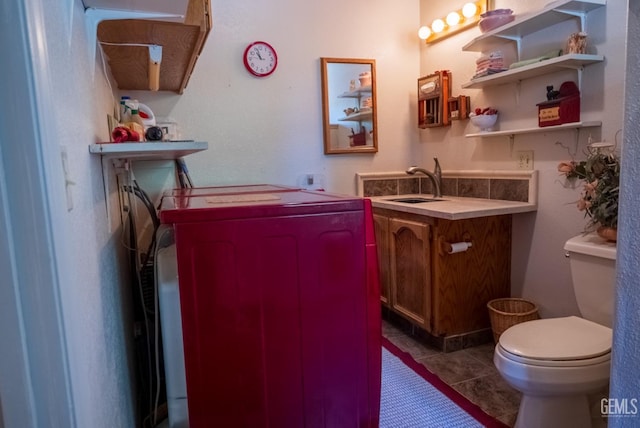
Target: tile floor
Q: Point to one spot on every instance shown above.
(470, 371)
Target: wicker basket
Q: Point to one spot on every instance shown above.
(508, 312)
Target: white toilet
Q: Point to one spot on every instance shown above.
(557, 362)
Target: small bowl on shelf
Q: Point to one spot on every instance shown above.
(484, 121)
(494, 19)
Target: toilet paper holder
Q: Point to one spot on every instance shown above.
(455, 247)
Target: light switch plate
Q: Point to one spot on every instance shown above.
(525, 159)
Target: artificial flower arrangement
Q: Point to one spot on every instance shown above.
(601, 175)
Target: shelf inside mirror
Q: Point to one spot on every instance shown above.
(356, 93)
(364, 114)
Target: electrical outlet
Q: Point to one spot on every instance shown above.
(525, 159)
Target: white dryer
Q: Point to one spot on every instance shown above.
(171, 323)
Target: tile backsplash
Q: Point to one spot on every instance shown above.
(520, 186)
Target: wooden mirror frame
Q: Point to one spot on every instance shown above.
(350, 90)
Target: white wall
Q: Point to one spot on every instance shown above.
(89, 278)
(96, 290)
(270, 130)
(540, 270)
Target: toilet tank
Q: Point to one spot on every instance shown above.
(593, 273)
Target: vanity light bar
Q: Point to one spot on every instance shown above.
(455, 21)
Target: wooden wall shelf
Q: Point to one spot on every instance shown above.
(181, 45)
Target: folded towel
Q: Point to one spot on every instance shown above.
(490, 64)
(490, 55)
(488, 72)
(551, 54)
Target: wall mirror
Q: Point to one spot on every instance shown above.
(349, 105)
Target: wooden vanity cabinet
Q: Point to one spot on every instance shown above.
(381, 227)
(410, 270)
(444, 294)
(466, 281)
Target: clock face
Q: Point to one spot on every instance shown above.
(260, 59)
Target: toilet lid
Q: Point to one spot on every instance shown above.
(560, 339)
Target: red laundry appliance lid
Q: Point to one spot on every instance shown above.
(213, 207)
(218, 190)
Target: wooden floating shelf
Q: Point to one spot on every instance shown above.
(181, 45)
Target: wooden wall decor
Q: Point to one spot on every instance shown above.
(434, 92)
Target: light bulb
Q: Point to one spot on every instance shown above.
(424, 32)
(469, 10)
(453, 19)
(437, 25)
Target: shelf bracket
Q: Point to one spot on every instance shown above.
(581, 15)
(580, 78)
(577, 141)
(94, 16)
(516, 39)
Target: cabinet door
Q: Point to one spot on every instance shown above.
(381, 224)
(411, 271)
(464, 282)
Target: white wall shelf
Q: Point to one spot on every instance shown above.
(357, 93)
(358, 117)
(553, 13)
(569, 61)
(148, 150)
(121, 153)
(512, 132)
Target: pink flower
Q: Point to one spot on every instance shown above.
(583, 204)
(590, 189)
(566, 168)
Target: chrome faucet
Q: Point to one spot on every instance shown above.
(436, 177)
(438, 172)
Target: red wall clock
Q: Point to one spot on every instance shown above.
(260, 59)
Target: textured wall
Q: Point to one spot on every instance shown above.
(95, 290)
(625, 381)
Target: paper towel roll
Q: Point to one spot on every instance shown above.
(459, 247)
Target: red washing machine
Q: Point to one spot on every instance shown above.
(280, 306)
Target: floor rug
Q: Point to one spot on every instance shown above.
(412, 396)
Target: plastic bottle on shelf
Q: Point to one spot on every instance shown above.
(134, 122)
(148, 118)
(124, 109)
(135, 117)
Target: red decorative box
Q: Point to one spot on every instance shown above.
(359, 139)
(564, 109)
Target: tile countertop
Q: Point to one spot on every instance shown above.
(452, 207)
